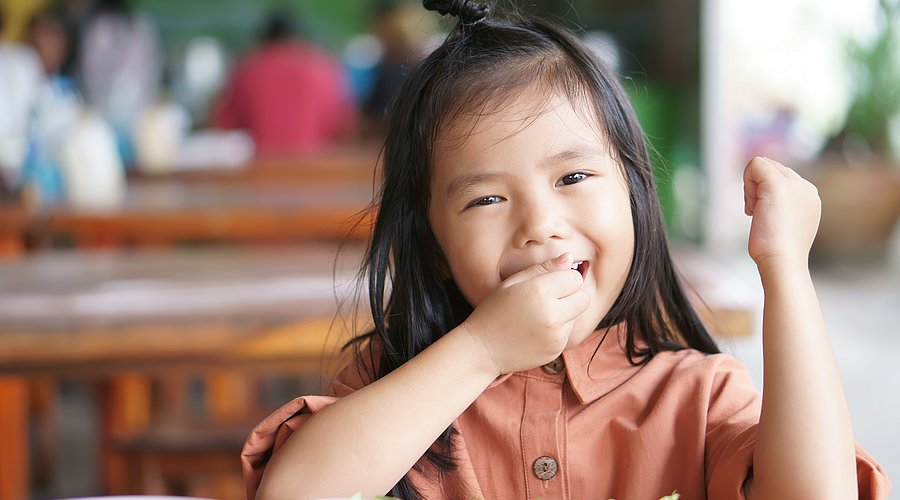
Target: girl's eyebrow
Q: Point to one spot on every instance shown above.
(465, 182)
(578, 153)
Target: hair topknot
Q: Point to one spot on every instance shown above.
(467, 11)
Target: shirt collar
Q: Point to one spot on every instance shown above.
(591, 375)
(594, 378)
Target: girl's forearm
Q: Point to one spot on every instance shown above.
(368, 440)
(805, 446)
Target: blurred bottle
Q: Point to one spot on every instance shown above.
(159, 134)
(92, 168)
(199, 75)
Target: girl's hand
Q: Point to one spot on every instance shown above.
(785, 210)
(526, 322)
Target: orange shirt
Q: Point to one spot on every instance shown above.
(597, 429)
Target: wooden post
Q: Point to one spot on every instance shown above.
(126, 411)
(14, 473)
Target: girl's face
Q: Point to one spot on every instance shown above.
(523, 186)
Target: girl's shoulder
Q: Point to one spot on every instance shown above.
(694, 360)
(699, 369)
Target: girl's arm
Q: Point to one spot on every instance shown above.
(805, 446)
(368, 440)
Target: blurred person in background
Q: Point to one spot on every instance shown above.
(53, 111)
(400, 53)
(21, 74)
(290, 95)
(72, 155)
(53, 43)
(120, 64)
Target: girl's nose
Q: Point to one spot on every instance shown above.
(540, 222)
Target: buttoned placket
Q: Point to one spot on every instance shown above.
(543, 432)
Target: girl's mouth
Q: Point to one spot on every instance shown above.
(581, 266)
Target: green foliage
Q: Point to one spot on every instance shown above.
(877, 72)
(236, 23)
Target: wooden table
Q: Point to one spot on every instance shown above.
(321, 197)
(71, 304)
(164, 213)
(124, 316)
(14, 223)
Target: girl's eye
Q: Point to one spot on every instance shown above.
(487, 200)
(573, 178)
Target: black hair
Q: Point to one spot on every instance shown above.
(279, 26)
(54, 15)
(484, 61)
(114, 6)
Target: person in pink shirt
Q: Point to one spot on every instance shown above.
(291, 96)
(531, 337)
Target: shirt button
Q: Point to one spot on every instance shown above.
(555, 366)
(545, 468)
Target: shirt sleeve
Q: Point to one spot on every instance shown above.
(732, 425)
(269, 435)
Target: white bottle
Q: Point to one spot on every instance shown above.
(93, 171)
(159, 134)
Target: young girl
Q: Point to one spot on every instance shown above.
(536, 341)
